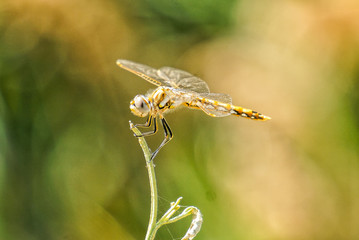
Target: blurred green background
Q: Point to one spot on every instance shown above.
(71, 169)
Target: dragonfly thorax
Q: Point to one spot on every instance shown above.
(140, 106)
(154, 103)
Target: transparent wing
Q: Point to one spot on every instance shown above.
(143, 71)
(220, 97)
(165, 76)
(216, 110)
(183, 80)
(213, 104)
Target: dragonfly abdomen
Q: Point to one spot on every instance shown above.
(216, 108)
(248, 113)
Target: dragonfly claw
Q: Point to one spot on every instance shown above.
(137, 135)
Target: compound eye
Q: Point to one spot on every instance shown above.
(141, 104)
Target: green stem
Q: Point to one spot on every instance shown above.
(152, 229)
(167, 218)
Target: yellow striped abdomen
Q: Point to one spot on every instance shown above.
(216, 108)
(248, 113)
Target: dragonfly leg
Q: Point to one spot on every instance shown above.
(147, 124)
(168, 137)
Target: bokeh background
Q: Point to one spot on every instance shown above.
(71, 169)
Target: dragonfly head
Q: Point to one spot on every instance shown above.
(140, 106)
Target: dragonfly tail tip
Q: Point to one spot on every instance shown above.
(265, 118)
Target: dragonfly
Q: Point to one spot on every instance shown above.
(176, 88)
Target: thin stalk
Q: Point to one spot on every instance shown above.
(152, 229)
(167, 218)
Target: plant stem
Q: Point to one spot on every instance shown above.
(151, 230)
(167, 218)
